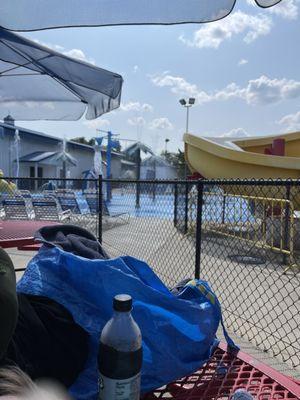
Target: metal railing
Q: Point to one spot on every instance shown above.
(277, 213)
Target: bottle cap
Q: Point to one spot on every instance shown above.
(122, 302)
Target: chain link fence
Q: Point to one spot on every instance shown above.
(141, 223)
(243, 237)
(250, 256)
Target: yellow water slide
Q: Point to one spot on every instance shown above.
(250, 158)
(225, 158)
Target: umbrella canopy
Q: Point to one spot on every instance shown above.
(29, 15)
(38, 83)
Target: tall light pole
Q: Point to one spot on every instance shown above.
(187, 104)
(166, 144)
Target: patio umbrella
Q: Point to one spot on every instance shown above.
(29, 15)
(39, 83)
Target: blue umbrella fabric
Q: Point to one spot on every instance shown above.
(39, 83)
(29, 15)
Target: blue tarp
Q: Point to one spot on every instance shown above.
(27, 15)
(40, 83)
(178, 331)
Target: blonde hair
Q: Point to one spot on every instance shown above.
(14, 382)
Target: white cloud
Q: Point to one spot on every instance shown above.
(79, 54)
(265, 90)
(161, 123)
(243, 61)
(97, 123)
(262, 90)
(136, 121)
(236, 133)
(74, 53)
(291, 121)
(212, 35)
(287, 9)
(178, 85)
(135, 69)
(147, 107)
(136, 106)
(52, 46)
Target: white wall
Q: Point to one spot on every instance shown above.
(161, 172)
(84, 158)
(5, 156)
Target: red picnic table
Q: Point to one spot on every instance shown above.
(20, 233)
(216, 380)
(226, 372)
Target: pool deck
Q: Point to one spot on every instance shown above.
(155, 240)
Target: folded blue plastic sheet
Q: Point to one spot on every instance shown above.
(179, 332)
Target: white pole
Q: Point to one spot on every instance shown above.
(187, 118)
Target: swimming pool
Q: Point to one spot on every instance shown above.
(162, 206)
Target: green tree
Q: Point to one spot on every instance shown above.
(83, 140)
(177, 160)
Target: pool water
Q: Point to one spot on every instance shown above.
(237, 209)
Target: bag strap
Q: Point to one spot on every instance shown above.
(206, 291)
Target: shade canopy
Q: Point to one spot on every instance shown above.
(38, 83)
(135, 147)
(29, 15)
(49, 158)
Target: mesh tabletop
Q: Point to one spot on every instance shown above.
(224, 374)
(19, 233)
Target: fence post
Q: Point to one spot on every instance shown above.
(138, 177)
(186, 207)
(287, 237)
(175, 203)
(100, 208)
(198, 228)
(223, 208)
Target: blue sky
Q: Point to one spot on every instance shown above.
(243, 71)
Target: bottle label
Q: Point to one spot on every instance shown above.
(119, 389)
(117, 364)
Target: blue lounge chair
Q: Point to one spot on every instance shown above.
(92, 200)
(14, 208)
(46, 209)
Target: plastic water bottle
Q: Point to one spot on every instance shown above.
(242, 394)
(120, 354)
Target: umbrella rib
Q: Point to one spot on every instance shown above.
(22, 55)
(9, 75)
(31, 61)
(46, 71)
